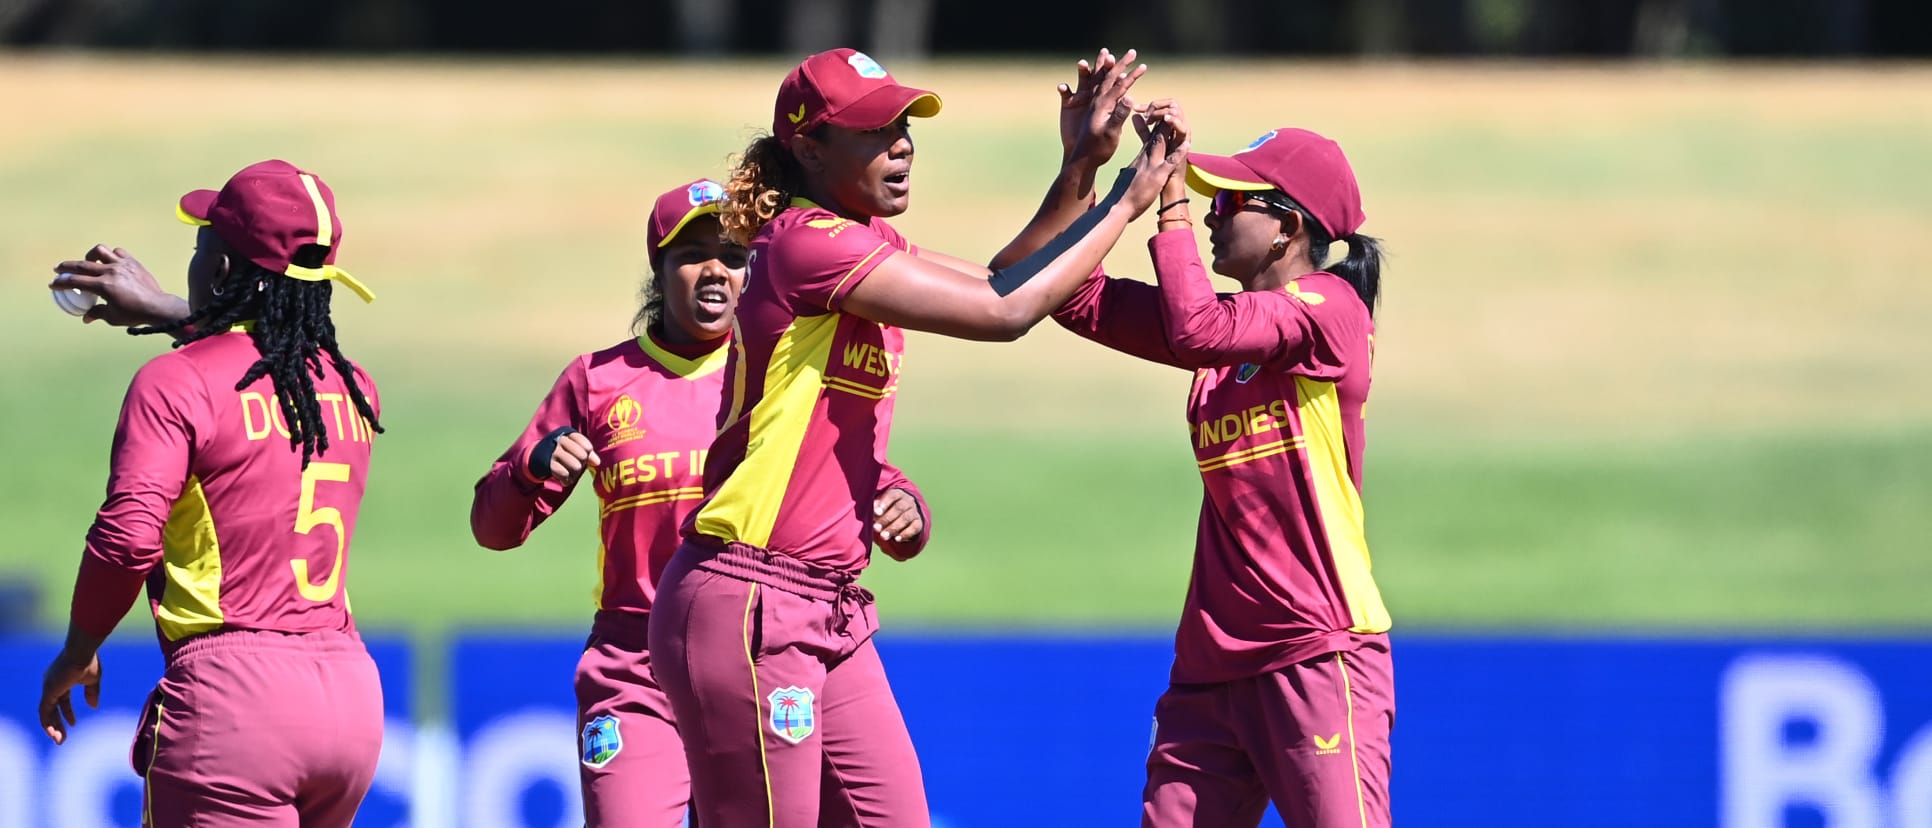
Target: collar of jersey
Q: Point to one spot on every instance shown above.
(687, 368)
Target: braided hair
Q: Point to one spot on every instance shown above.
(292, 332)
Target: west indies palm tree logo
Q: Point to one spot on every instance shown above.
(602, 741)
(791, 713)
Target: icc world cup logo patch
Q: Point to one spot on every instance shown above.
(622, 420)
(792, 716)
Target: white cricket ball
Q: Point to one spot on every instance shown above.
(75, 301)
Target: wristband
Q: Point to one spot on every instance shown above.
(1172, 204)
(546, 448)
(1010, 278)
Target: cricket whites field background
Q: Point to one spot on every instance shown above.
(1654, 364)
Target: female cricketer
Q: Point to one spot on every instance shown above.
(236, 473)
(637, 419)
(761, 636)
(1282, 687)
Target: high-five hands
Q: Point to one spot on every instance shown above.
(1163, 155)
(1096, 106)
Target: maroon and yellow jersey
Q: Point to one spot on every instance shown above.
(650, 413)
(1281, 561)
(809, 407)
(208, 503)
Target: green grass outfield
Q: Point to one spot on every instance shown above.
(1653, 354)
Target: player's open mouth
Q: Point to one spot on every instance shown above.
(713, 298)
(899, 183)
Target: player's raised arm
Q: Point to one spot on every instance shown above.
(909, 292)
(128, 293)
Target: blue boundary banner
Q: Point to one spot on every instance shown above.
(1496, 732)
(1053, 730)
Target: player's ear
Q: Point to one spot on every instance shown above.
(809, 152)
(1292, 225)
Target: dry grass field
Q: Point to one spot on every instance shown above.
(1653, 352)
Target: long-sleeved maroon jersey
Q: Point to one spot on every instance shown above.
(209, 505)
(1281, 561)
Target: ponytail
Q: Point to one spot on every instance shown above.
(763, 182)
(1362, 268)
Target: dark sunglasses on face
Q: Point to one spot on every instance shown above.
(1229, 202)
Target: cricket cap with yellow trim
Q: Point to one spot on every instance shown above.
(679, 207)
(1307, 167)
(277, 216)
(845, 88)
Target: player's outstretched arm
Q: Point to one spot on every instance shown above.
(129, 293)
(909, 292)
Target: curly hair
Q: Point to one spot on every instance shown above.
(764, 179)
(292, 332)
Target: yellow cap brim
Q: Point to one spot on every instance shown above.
(188, 218)
(924, 106)
(1207, 183)
(705, 209)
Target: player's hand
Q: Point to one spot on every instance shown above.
(1095, 108)
(1159, 158)
(1167, 111)
(563, 455)
(129, 294)
(56, 701)
(896, 519)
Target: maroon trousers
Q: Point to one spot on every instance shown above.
(261, 729)
(1312, 737)
(631, 761)
(781, 699)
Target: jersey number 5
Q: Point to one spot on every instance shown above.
(307, 517)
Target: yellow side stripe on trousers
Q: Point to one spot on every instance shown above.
(147, 779)
(758, 708)
(1348, 696)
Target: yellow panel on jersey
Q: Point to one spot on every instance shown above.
(191, 557)
(597, 589)
(1339, 502)
(745, 507)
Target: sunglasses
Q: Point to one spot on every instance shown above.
(1229, 202)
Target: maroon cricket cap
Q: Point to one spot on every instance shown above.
(679, 206)
(1307, 167)
(846, 88)
(279, 217)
